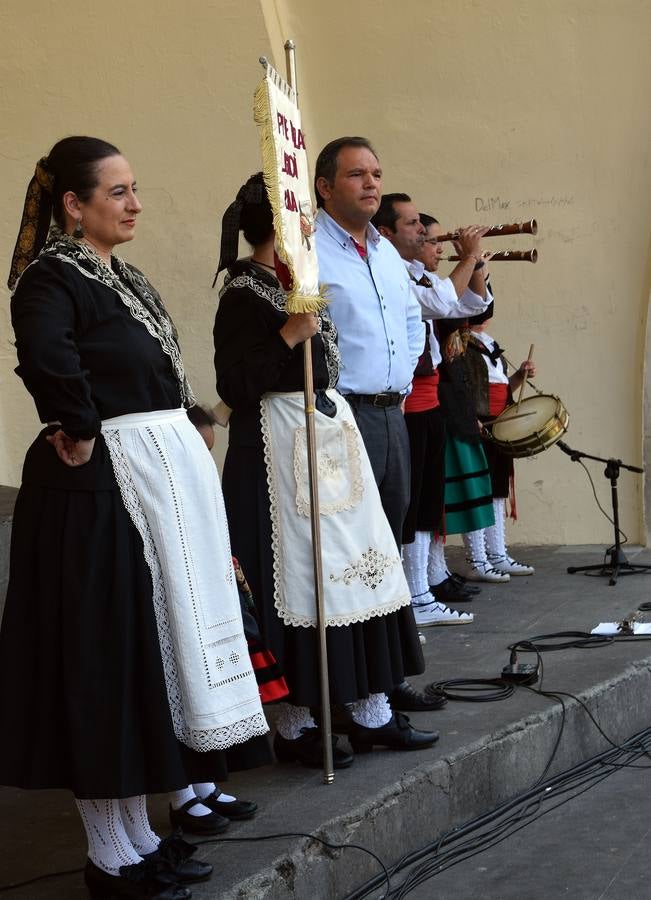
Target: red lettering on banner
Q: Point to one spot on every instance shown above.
(290, 166)
(297, 137)
(290, 201)
(283, 125)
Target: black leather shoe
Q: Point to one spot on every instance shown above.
(460, 580)
(148, 879)
(449, 592)
(235, 810)
(308, 749)
(176, 853)
(397, 734)
(212, 823)
(407, 698)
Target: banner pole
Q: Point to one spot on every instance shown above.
(326, 724)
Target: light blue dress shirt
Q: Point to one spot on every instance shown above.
(378, 318)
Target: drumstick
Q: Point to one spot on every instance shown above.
(510, 418)
(524, 383)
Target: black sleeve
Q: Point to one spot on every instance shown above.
(45, 317)
(250, 354)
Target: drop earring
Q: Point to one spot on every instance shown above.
(78, 231)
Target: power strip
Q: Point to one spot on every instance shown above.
(520, 673)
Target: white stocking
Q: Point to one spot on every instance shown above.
(495, 535)
(292, 719)
(136, 824)
(414, 562)
(475, 549)
(109, 846)
(437, 571)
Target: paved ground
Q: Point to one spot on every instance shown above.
(395, 802)
(594, 848)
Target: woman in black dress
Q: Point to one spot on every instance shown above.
(258, 350)
(99, 691)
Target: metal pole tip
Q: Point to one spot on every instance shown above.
(290, 45)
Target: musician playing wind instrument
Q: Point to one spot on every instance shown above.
(398, 220)
(492, 391)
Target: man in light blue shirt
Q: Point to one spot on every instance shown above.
(381, 336)
(378, 318)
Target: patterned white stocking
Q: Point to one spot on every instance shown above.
(372, 712)
(475, 548)
(292, 719)
(496, 534)
(437, 571)
(136, 824)
(109, 846)
(414, 563)
(178, 798)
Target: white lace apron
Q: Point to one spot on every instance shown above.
(362, 572)
(171, 490)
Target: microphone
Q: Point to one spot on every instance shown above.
(573, 454)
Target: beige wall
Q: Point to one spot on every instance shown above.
(540, 104)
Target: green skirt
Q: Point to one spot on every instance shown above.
(468, 493)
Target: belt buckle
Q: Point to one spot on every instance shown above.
(382, 400)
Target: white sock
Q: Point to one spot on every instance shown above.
(437, 571)
(372, 712)
(178, 798)
(206, 788)
(136, 824)
(292, 719)
(414, 563)
(109, 846)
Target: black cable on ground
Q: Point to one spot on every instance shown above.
(384, 878)
(472, 690)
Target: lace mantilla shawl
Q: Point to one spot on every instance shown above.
(141, 299)
(250, 278)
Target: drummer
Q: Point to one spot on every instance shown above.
(493, 390)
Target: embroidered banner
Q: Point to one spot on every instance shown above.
(287, 178)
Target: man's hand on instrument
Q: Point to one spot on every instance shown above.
(527, 369)
(299, 327)
(469, 241)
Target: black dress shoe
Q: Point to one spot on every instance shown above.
(236, 810)
(212, 823)
(449, 592)
(460, 580)
(397, 734)
(407, 698)
(149, 879)
(308, 749)
(176, 853)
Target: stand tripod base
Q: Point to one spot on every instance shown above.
(617, 565)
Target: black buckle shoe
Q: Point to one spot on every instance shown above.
(450, 592)
(407, 699)
(397, 734)
(176, 853)
(308, 750)
(211, 823)
(235, 810)
(149, 879)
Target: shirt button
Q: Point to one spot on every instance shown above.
(384, 306)
(393, 353)
(392, 343)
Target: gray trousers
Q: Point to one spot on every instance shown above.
(387, 443)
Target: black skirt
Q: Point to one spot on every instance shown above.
(365, 658)
(83, 702)
(427, 448)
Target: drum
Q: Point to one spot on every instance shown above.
(540, 422)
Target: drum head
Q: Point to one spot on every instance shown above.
(539, 410)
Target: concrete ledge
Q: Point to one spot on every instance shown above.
(433, 798)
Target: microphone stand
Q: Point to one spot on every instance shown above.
(617, 563)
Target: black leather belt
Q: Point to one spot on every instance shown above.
(384, 400)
